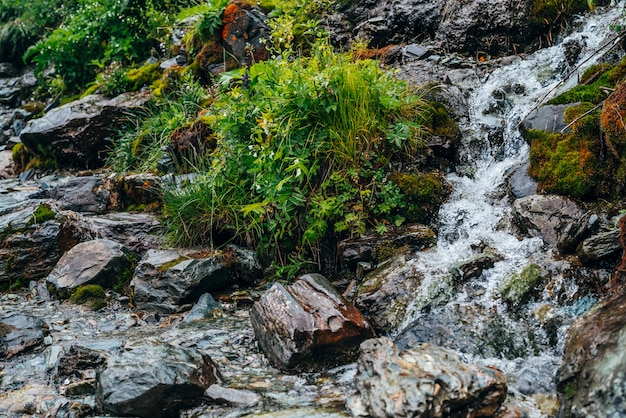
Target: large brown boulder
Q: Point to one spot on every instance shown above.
(307, 325)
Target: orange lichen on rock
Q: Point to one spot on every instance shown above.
(613, 120)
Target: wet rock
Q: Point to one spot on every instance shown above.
(100, 261)
(484, 25)
(205, 308)
(307, 325)
(572, 49)
(473, 266)
(600, 246)
(472, 330)
(547, 118)
(79, 133)
(414, 237)
(80, 194)
(383, 22)
(425, 381)
(137, 231)
(20, 332)
(30, 247)
(156, 380)
(7, 69)
(165, 279)
(549, 216)
(519, 184)
(517, 288)
(236, 397)
(244, 29)
(134, 192)
(591, 380)
(76, 361)
(385, 293)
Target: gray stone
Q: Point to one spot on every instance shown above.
(80, 194)
(205, 308)
(415, 51)
(307, 325)
(385, 293)
(591, 380)
(519, 183)
(547, 118)
(424, 381)
(165, 279)
(547, 216)
(473, 266)
(99, 261)
(20, 332)
(79, 133)
(155, 380)
(599, 246)
(235, 397)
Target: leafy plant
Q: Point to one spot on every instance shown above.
(303, 150)
(97, 33)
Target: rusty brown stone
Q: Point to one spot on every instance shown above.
(308, 325)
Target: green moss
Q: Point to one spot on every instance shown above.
(568, 163)
(170, 264)
(423, 194)
(385, 250)
(43, 213)
(554, 14)
(517, 288)
(91, 295)
(121, 284)
(592, 82)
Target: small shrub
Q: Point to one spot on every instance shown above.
(302, 150)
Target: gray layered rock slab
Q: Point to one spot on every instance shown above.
(547, 118)
(425, 381)
(137, 231)
(79, 133)
(156, 380)
(80, 194)
(599, 246)
(237, 397)
(307, 325)
(20, 332)
(165, 279)
(205, 308)
(473, 266)
(554, 218)
(99, 261)
(385, 293)
(591, 380)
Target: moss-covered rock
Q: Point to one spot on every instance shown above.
(517, 288)
(423, 193)
(91, 295)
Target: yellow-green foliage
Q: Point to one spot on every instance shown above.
(439, 121)
(517, 288)
(567, 163)
(91, 295)
(43, 213)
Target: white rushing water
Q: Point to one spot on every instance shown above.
(478, 211)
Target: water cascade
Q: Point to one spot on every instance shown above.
(471, 317)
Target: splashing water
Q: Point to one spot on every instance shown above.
(478, 213)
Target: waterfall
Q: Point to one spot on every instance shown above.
(478, 214)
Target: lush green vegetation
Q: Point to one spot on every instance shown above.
(587, 159)
(302, 152)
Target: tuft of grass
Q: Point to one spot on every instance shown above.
(303, 146)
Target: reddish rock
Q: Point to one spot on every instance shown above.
(308, 325)
(243, 32)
